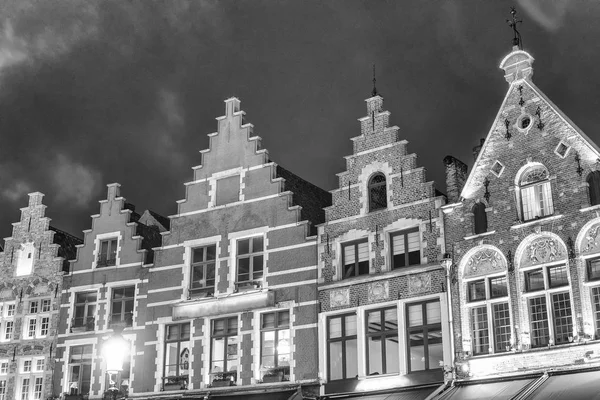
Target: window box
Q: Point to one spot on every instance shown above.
(248, 285)
(73, 397)
(175, 382)
(82, 324)
(278, 374)
(222, 379)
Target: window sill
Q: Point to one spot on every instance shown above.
(590, 208)
(540, 221)
(479, 235)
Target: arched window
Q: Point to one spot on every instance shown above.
(479, 218)
(593, 180)
(377, 192)
(536, 193)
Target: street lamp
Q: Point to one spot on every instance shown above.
(114, 350)
(447, 263)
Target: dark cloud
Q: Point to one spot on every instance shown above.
(125, 91)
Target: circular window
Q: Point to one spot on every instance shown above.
(525, 122)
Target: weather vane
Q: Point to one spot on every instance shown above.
(374, 92)
(517, 41)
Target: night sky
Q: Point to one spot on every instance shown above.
(126, 91)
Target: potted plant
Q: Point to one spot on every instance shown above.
(276, 374)
(221, 379)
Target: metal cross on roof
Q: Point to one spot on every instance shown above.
(517, 41)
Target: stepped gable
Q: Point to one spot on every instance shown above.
(235, 168)
(548, 127)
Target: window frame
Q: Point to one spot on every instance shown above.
(81, 364)
(225, 336)
(204, 265)
(277, 329)
(405, 233)
(32, 375)
(480, 222)
(539, 195)
(8, 310)
(88, 322)
(593, 191)
(376, 186)
(355, 244)
(104, 260)
(588, 269)
(343, 339)
(123, 314)
(425, 328)
(181, 338)
(40, 318)
(595, 294)
(383, 334)
(255, 277)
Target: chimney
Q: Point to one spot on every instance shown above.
(477, 149)
(456, 176)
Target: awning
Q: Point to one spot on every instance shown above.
(282, 395)
(404, 394)
(228, 304)
(503, 390)
(573, 386)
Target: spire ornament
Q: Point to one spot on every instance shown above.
(374, 91)
(517, 41)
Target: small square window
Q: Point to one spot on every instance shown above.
(534, 280)
(498, 287)
(3, 367)
(562, 149)
(33, 307)
(39, 364)
(593, 269)
(477, 290)
(557, 276)
(46, 305)
(497, 168)
(27, 366)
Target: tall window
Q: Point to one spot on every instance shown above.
(383, 356)
(489, 314)
(536, 193)
(593, 180)
(3, 378)
(355, 258)
(275, 344)
(479, 218)
(342, 361)
(85, 309)
(3, 389)
(377, 192)
(250, 260)
(37, 320)
(177, 355)
(108, 253)
(424, 332)
(7, 312)
(122, 305)
(550, 312)
(224, 359)
(80, 369)
(596, 309)
(31, 379)
(406, 248)
(203, 270)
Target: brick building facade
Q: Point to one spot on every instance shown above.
(383, 323)
(31, 269)
(522, 229)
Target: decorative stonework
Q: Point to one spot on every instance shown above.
(339, 297)
(42, 288)
(378, 291)
(591, 240)
(543, 250)
(6, 293)
(484, 262)
(419, 283)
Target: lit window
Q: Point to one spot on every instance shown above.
(250, 260)
(355, 258)
(536, 193)
(593, 180)
(3, 389)
(479, 218)
(177, 355)
(36, 323)
(377, 192)
(424, 332)
(275, 350)
(122, 305)
(224, 361)
(203, 270)
(405, 248)
(342, 361)
(85, 309)
(108, 253)
(489, 316)
(7, 314)
(383, 353)
(550, 314)
(31, 380)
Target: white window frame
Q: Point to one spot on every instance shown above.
(107, 236)
(37, 316)
(7, 318)
(209, 336)
(534, 197)
(32, 374)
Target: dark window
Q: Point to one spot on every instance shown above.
(85, 308)
(177, 355)
(355, 258)
(596, 308)
(479, 218)
(108, 253)
(424, 330)
(249, 260)
(593, 269)
(534, 280)
(480, 331)
(502, 331)
(382, 342)
(593, 180)
(342, 361)
(563, 321)
(538, 314)
(224, 359)
(122, 305)
(275, 348)
(477, 290)
(80, 369)
(498, 287)
(203, 269)
(536, 193)
(406, 248)
(525, 122)
(228, 190)
(377, 192)
(557, 276)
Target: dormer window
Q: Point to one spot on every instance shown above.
(108, 253)
(536, 193)
(479, 218)
(377, 192)
(593, 181)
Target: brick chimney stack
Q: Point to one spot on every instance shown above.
(456, 176)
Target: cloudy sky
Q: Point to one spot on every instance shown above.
(94, 92)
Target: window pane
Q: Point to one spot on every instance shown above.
(335, 328)
(392, 355)
(502, 328)
(243, 269)
(534, 280)
(283, 319)
(415, 315)
(257, 244)
(349, 257)
(391, 318)
(398, 244)
(596, 308)
(434, 313)
(594, 269)
(185, 331)
(198, 255)
(540, 334)
(436, 354)
(417, 352)
(563, 323)
(243, 246)
(210, 252)
(498, 287)
(172, 332)
(363, 251)
(268, 320)
(558, 276)
(413, 241)
(476, 290)
(375, 355)
(351, 359)
(479, 330)
(350, 325)
(335, 360)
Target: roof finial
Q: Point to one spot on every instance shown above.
(374, 92)
(517, 41)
